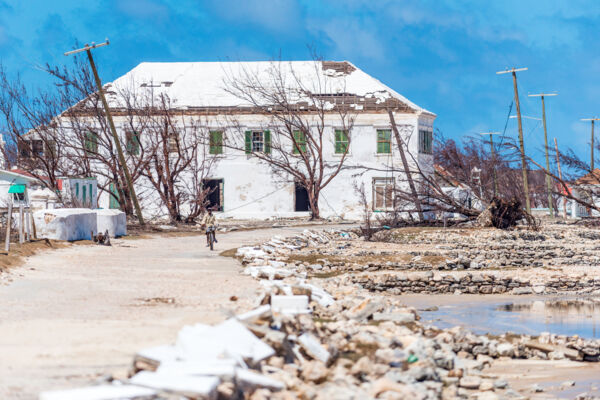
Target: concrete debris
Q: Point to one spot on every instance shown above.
(200, 387)
(312, 346)
(68, 224)
(290, 304)
(100, 392)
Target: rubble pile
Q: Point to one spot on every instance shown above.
(328, 338)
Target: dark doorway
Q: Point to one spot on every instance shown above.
(301, 195)
(215, 194)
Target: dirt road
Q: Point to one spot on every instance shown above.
(73, 315)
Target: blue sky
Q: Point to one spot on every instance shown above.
(441, 54)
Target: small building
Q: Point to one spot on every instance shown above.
(79, 192)
(586, 188)
(14, 188)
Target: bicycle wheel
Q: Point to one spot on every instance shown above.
(211, 239)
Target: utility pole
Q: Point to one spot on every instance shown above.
(560, 176)
(514, 71)
(493, 154)
(87, 49)
(548, 180)
(591, 142)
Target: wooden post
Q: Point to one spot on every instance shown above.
(21, 223)
(406, 167)
(8, 224)
(560, 176)
(514, 71)
(33, 232)
(28, 225)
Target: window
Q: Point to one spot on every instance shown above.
(173, 144)
(383, 194)
(300, 145)
(216, 142)
(91, 142)
(83, 197)
(425, 142)
(77, 189)
(258, 141)
(341, 141)
(24, 149)
(37, 147)
(384, 141)
(133, 142)
(50, 149)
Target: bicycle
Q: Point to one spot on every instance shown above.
(210, 233)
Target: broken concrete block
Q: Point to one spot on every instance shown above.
(202, 387)
(255, 314)
(149, 359)
(113, 221)
(66, 223)
(400, 317)
(248, 379)
(228, 339)
(268, 272)
(221, 368)
(290, 304)
(101, 392)
(318, 294)
(313, 347)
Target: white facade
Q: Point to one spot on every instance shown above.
(248, 187)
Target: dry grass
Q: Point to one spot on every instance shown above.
(18, 252)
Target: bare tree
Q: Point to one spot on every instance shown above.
(294, 135)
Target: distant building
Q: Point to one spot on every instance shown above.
(245, 187)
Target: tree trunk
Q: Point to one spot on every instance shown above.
(313, 200)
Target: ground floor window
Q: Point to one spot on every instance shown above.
(215, 193)
(383, 194)
(114, 197)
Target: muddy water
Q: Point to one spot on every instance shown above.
(496, 315)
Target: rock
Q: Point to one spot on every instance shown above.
(505, 349)
(313, 347)
(314, 371)
(522, 290)
(500, 384)
(470, 382)
(399, 317)
(537, 388)
(362, 367)
(487, 396)
(486, 384)
(567, 384)
(539, 289)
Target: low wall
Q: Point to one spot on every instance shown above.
(66, 223)
(113, 221)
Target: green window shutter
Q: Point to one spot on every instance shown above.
(91, 142)
(300, 138)
(133, 143)
(341, 141)
(76, 189)
(267, 138)
(83, 196)
(216, 142)
(248, 142)
(114, 197)
(384, 137)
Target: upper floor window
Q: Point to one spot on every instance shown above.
(91, 142)
(384, 141)
(215, 142)
(173, 143)
(300, 142)
(425, 142)
(342, 141)
(258, 142)
(133, 142)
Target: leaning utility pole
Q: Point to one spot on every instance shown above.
(88, 49)
(493, 159)
(591, 142)
(521, 145)
(560, 176)
(548, 180)
(406, 167)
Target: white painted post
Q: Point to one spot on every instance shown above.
(21, 223)
(28, 225)
(8, 224)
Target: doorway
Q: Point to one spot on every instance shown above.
(301, 198)
(215, 193)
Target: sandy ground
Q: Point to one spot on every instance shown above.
(72, 315)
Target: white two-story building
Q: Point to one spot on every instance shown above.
(245, 186)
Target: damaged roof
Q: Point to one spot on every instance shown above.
(202, 85)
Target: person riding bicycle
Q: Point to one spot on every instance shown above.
(209, 223)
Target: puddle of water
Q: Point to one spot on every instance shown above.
(561, 316)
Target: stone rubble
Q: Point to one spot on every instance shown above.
(337, 337)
